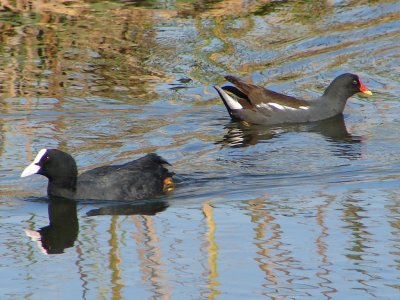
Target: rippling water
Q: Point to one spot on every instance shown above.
(305, 211)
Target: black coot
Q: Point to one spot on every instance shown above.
(143, 178)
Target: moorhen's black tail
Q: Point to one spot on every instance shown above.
(235, 91)
(243, 86)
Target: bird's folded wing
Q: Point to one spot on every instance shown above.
(262, 98)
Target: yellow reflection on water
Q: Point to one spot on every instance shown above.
(212, 252)
(150, 255)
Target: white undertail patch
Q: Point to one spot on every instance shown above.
(232, 103)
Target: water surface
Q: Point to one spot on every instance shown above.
(305, 211)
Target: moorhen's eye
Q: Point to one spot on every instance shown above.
(355, 82)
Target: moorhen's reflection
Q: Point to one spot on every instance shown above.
(63, 229)
(240, 135)
(333, 129)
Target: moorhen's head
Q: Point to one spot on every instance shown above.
(347, 84)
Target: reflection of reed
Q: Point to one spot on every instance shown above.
(54, 56)
(354, 219)
(322, 248)
(213, 283)
(54, 6)
(271, 264)
(82, 274)
(218, 8)
(359, 250)
(115, 260)
(150, 256)
(209, 32)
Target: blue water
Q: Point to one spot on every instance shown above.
(305, 211)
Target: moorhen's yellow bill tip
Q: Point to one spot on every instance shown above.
(364, 89)
(367, 92)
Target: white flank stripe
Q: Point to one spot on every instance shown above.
(279, 106)
(264, 105)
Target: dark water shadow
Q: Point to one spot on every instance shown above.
(63, 228)
(148, 208)
(333, 130)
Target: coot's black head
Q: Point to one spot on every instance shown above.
(347, 85)
(56, 165)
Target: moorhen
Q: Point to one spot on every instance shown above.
(257, 105)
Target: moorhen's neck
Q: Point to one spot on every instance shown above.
(63, 186)
(336, 96)
(336, 91)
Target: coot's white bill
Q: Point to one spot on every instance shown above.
(33, 168)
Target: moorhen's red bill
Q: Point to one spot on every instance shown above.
(258, 105)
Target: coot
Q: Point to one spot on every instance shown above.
(143, 178)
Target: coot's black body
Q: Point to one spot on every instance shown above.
(143, 178)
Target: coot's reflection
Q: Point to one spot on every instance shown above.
(333, 130)
(138, 208)
(63, 228)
